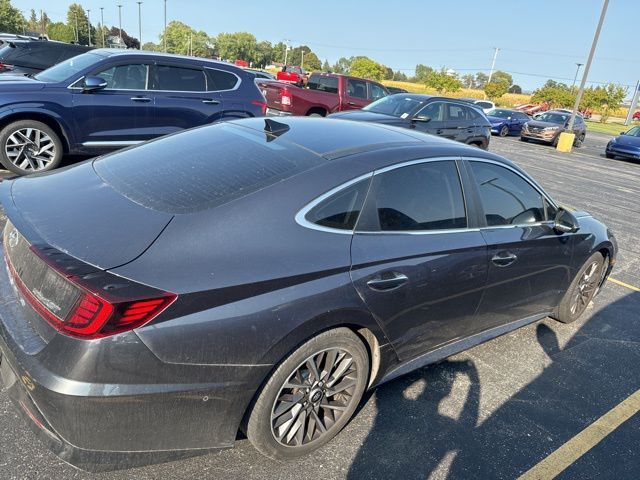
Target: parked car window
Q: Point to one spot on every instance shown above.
(396, 105)
(125, 77)
(484, 104)
(435, 111)
(521, 116)
(376, 92)
(68, 69)
(458, 113)
(323, 84)
(356, 88)
(341, 210)
(427, 196)
(179, 79)
(221, 80)
(507, 198)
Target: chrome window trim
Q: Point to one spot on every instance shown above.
(301, 215)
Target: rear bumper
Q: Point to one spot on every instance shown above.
(272, 112)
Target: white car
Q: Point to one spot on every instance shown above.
(485, 105)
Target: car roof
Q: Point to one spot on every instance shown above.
(336, 138)
(41, 41)
(111, 52)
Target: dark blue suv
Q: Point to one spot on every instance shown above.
(107, 99)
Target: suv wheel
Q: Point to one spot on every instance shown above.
(310, 396)
(27, 146)
(578, 141)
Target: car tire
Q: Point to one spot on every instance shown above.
(28, 146)
(583, 288)
(555, 141)
(578, 141)
(504, 131)
(524, 139)
(286, 436)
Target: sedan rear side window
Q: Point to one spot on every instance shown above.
(340, 210)
(507, 198)
(426, 196)
(179, 79)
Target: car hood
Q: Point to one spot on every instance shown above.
(540, 124)
(627, 141)
(496, 120)
(12, 83)
(74, 211)
(366, 116)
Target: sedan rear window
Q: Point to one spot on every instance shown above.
(202, 168)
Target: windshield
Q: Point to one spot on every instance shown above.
(553, 117)
(634, 132)
(397, 105)
(67, 69)
(500, 113)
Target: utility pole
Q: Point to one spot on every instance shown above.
(587, 66)
(493, 62)
(89, 25)
(140, 24)
(286, 50)
(164, 35)
(104, 44)
(42, 23)
(302, 60)
(576, 77)
(77, 36)
(634, 102)
(120, 22)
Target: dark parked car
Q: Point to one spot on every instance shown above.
(445, 117)
(265, 274)
(506, 122)
(260, 74)
(30, 56)
(393, 90)
(625, 145)
(107, 99)
(548, 126)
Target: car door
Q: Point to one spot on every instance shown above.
(356, 95)
(182, 100)
(529, 262)
(417, 262)
(119, 114)
(517, 121)
(431, 119)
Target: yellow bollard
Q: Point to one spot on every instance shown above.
(565, 142)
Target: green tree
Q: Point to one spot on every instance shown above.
(60, 31)
(342, 65)
(481, 80)
(400, 77)
(496, 88)
(422, 72)
(32, 23)
(367, 68)
(515, 89)
(326, 67)
(11, 19)
(132, 42)
(151, 47)
(468, 80)
(264, 54)
(311, 62)
(442, 81)
(76, 12)
(234, 46)
(555, 94)
(604, 99)
(181, 38)
(500, 76)
(278, 52)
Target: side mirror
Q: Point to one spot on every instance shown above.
(91, 84)
(623, 133)
(565, 222)
(422, 118)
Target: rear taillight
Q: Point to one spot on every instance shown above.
(262, 105)
(77, 307)
(285, 97)
(5, 66)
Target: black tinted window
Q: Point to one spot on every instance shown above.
(356, 88)
(202, 168)
(179, 79)
(324, 84)
(125, 77)
(457, 113)
(377, 91)
(340, 210)
(427, 196)
(219, 80)
(507, 198)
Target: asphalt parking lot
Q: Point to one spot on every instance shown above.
(494, 411)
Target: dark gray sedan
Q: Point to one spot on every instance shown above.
(262, 275)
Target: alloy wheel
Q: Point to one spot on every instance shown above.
(314, 397)
(504, 131)
(586, 288)
(30, 149)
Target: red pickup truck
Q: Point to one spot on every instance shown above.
(291, 74)
(325, 93)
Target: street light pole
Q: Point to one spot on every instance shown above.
(104, 45)
(77, 36)
(120, 22)
(89, 25)
(164, 36)
(576, 77)
(286, 51)
(587, 66)
(140, 24)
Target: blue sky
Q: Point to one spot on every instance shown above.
(538, 39)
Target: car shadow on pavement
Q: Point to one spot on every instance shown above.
(420, 432)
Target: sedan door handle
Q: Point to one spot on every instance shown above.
(210, 101)
(382, 284)
(141, 99)
(504, 259)
(439, 131)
